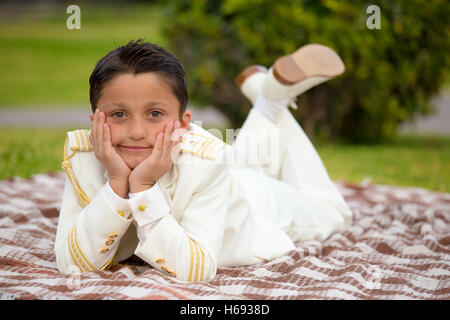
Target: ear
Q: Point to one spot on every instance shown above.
(91, 116)
(186, 119)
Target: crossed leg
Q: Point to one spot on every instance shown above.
(310, 205)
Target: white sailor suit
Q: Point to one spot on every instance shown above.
(212, 209)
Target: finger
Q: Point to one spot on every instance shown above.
(105, 127)
(166, 140)
(100, 129)
(158, 146)
(176, 132)
(91, 140)
(107, 135)
(100, 133)
(168, 133)
(94, 129)
(94, 123)
(176, 137)
(91, 117)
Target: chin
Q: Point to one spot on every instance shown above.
(133, 162)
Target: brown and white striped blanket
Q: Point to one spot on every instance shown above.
(397, 248)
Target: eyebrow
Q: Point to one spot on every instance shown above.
(148, 104)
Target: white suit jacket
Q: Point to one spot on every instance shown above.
(201, 216)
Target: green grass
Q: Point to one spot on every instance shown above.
(412, 161)
(26, 151)
(44, 63)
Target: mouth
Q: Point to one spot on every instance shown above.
(134, 148)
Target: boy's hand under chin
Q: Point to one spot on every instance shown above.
(160, 161)
(105, 153)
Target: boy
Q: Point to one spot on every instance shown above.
(146, 181)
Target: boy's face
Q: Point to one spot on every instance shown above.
(137, 107)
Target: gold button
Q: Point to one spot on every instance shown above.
(172, 273)
(160, 261)
(112, 235)
(104, 250)
(109, 242)
(142, 207)
(121, 213)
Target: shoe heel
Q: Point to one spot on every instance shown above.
(247, 72)
(287, 71)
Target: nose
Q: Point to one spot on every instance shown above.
(137, 130)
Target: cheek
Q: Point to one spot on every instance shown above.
(153, 132)
(117, 133)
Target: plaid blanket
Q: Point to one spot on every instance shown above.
(397, 248)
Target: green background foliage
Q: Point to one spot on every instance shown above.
(390, 72)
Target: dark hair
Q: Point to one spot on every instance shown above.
(139, 57)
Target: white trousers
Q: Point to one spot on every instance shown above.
(286, 179)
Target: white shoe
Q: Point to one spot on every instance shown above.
(251, 81)
(307, 67)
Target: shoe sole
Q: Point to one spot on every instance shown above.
(311, 60)
(247, 72)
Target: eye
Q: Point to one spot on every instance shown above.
(155, 114)
(118, 115)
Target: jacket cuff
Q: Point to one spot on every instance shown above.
(118, 204)
(148, 206)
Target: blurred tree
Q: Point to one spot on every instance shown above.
(390, 72)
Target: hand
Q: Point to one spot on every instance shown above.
(105, 153)
(160, 161)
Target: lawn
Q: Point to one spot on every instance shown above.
(411, 161)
